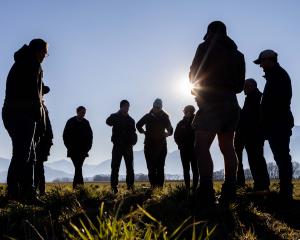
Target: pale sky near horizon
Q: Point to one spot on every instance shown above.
(104, 51)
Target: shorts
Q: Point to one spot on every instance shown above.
(217, 117)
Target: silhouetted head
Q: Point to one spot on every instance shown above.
(215, 27)
(81, 110)
(157, 105)
(39, 48)
(124, 106)
(266, 59)
(189, 111)
(250, 86)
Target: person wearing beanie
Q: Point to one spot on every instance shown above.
(217, 74)
(123, 137)
(21, 112)
(157, 128)
(277, 118)
(184, 137)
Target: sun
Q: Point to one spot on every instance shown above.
(184, 87)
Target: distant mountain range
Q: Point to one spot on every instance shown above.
(64, 168)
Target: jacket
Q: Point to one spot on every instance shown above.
(276, 99)
(78, 137)
(184, 134)
(249, 126)
(218, 70)
(155, 125)
(24, 85)
(123, 129)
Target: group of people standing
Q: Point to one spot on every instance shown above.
(217, 74)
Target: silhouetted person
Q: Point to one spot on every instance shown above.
(21, 112)
(277, 118)
(249, 136)
(158, 128)
(124, 138)
(42, 150)
(184, 136)
(218, 74)
(78, 139)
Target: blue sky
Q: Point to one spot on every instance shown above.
(104, 51)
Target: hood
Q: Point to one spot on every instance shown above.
(22, 54)
(222, 40)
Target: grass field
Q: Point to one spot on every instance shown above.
(93, 212)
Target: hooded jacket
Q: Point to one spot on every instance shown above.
(218, 69)
(156, 125)
(24, 85)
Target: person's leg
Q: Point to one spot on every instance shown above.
(239, 147)
(150, 156)
(195, 171)
(279, 144)
(203, 141)
(161, 165)
(258, 165)
(185, 160)
(230, 161)
(20, 172)
(39, 177)
(115, 166)
(128, 158)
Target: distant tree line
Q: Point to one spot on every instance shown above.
(218, 175)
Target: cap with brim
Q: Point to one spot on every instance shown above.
(266, 54)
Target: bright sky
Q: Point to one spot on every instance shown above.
(104, 51)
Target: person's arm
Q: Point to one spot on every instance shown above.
(169, 127)
(240, 72)
(111, 120)
(66, 135)
(177, 135)
(90, 137)
(141, 123)
(133, 132)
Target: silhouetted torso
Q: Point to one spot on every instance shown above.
(123, 131)
(24, 85)
(78, 137)
(276, 100)
(184, 134)
(218, 68)
(155, 124)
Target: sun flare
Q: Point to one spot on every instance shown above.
(184, 87)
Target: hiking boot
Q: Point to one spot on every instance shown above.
(204, 196)
(228, 194)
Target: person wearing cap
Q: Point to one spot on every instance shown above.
(217, 74)
(184, 137)
(277, 118)
(157, 128)
(78, 139)
(123, 137)
(21, 112)
(249, 136)
(43, 146)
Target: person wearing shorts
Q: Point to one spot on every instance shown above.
(217, 74)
